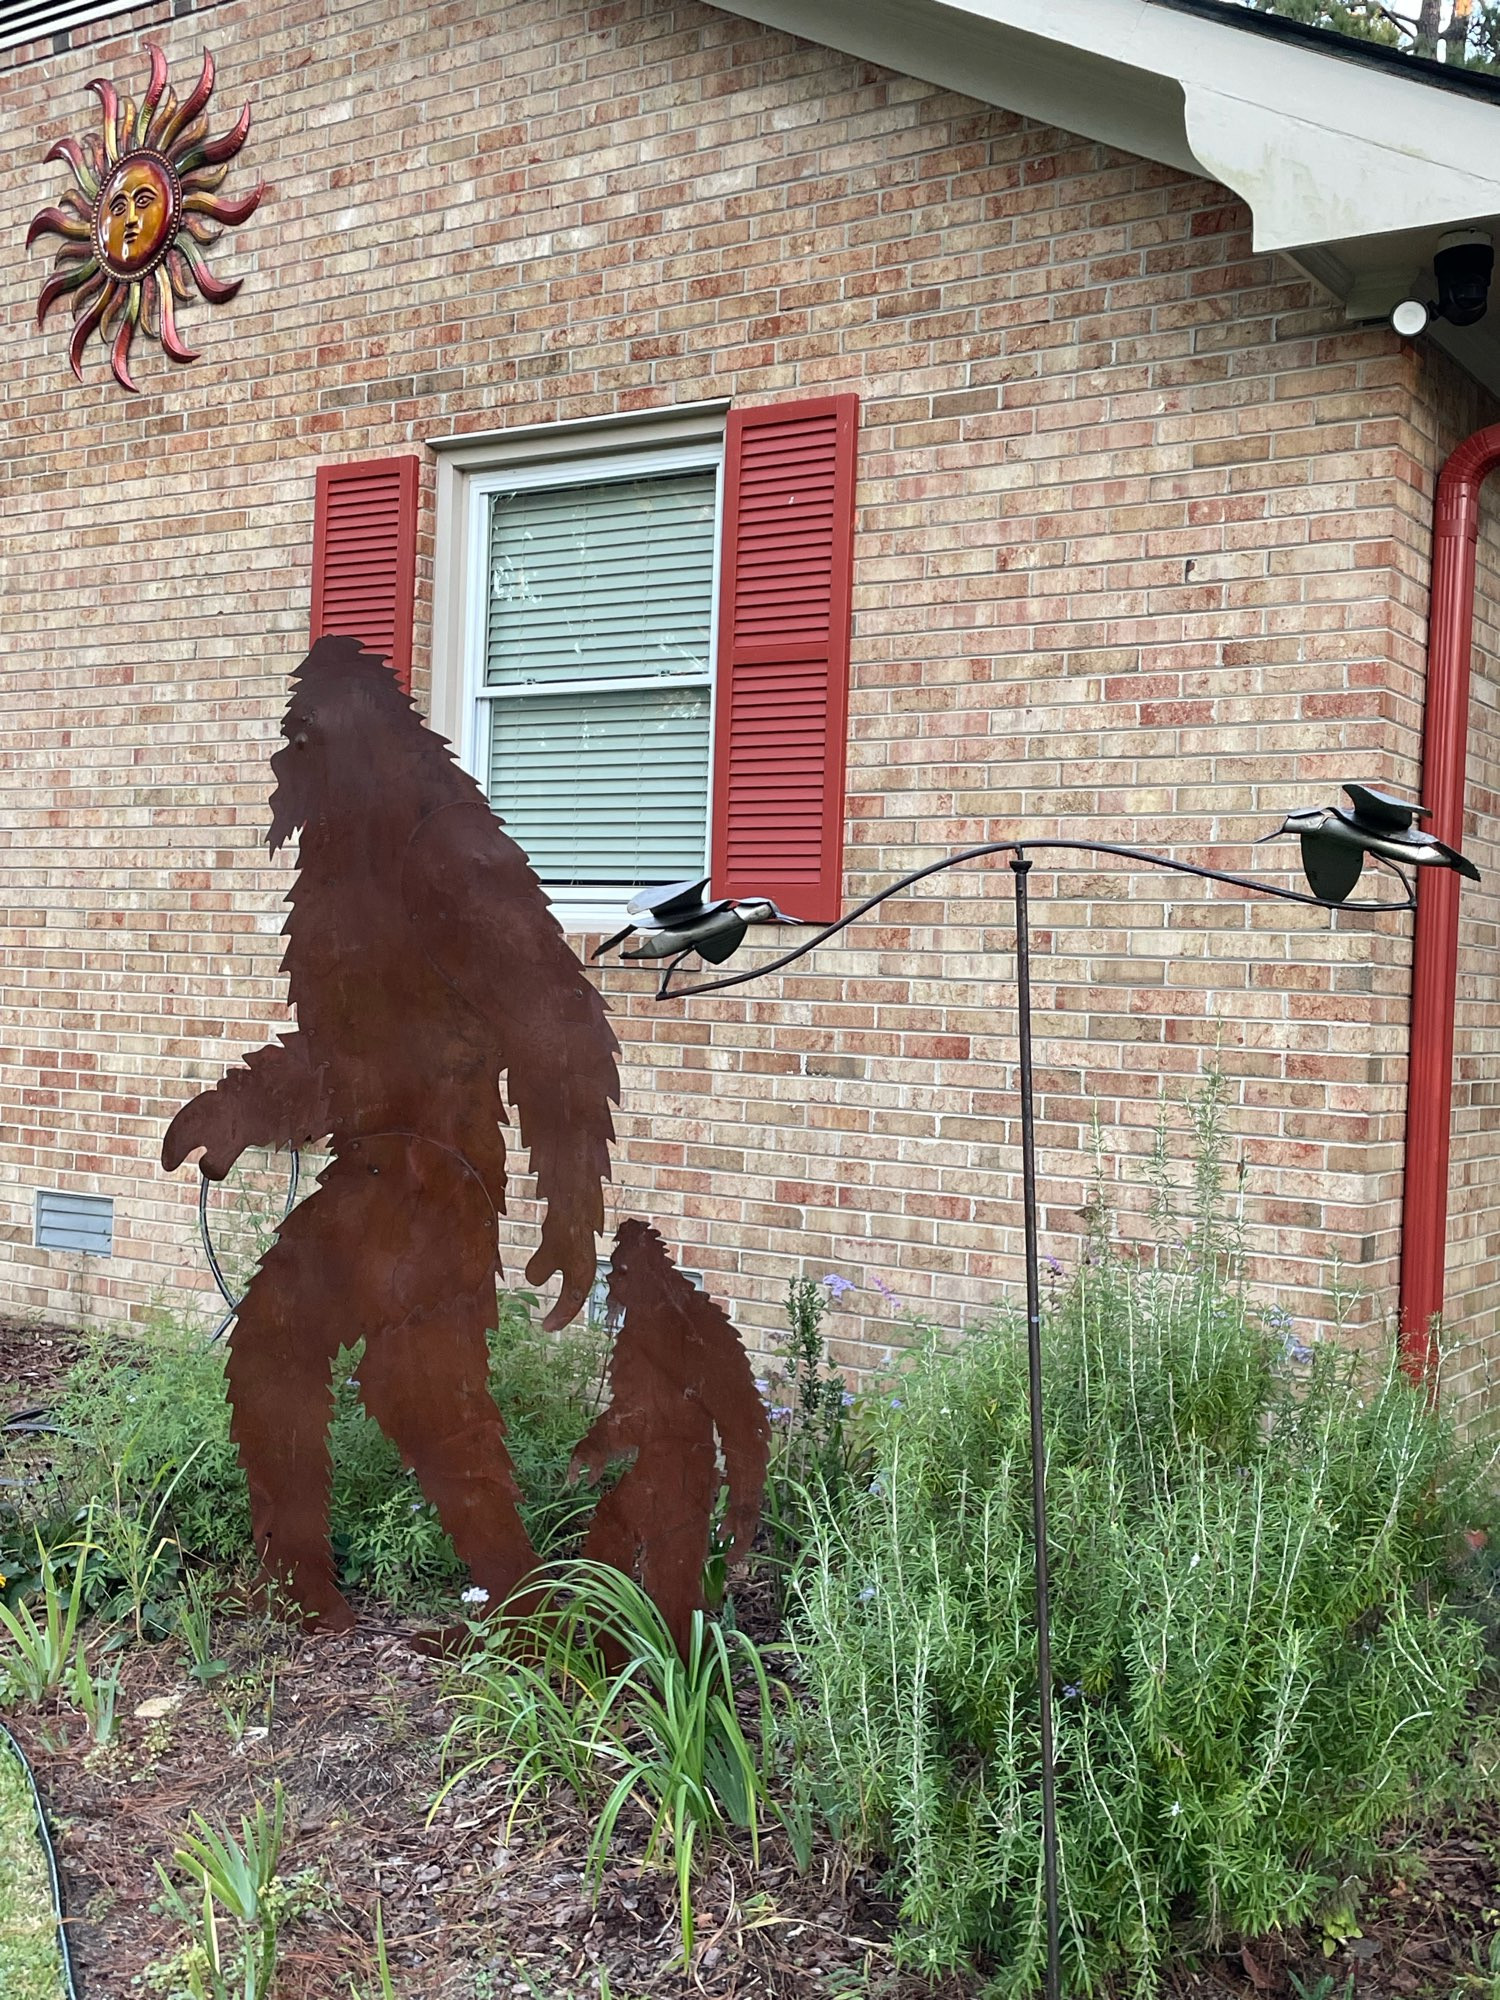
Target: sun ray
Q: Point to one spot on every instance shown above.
(203, 180)
(170, 339)
(97, 287)
(180, 278)
(190, 106)
(216, 290)
(212, 151)
(109, 97)
(83, 173)
(156, 84)
(145, 198)
(231, 212)
(53, 222)
(166, 111)
(86, 323)
(119, 354)
(59, 285)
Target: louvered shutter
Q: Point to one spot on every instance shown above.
(782, 698)
(365, 556)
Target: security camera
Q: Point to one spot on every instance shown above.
(1463, 265)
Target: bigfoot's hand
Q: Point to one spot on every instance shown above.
(210, 1121)
(277, 1099)
(566, 1249)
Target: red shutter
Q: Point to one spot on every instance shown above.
(782, 697)
(365, 556)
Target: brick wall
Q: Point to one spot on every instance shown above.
(1139, 553)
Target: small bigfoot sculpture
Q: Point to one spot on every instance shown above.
(422, 961)
(678, 1374)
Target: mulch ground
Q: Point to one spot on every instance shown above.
(477, 1908)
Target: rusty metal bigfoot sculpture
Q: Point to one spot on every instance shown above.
(678, 1375)
(422, 961)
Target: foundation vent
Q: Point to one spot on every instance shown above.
(75, 1222)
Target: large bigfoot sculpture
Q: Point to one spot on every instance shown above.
(422, 961)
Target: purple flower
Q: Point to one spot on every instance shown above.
(847, 1399)
(895, 1402)
(1072, 1689)
(885, 1291)
(1053, 1266)
(838, 1286)
(779, 1413)
(867, 1593)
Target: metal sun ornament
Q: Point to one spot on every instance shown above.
(139, 217)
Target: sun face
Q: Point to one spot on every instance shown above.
(139, 216)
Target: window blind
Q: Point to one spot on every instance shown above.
(597, 675)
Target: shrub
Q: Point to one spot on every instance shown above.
(155, 1420)
(1258, 1665)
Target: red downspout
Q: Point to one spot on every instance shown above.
(1445, 739)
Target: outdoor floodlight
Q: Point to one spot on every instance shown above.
(682, 917)
(1335, 841)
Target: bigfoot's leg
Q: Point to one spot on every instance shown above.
(280, 1356)
(425, 1375)
(655, 1526)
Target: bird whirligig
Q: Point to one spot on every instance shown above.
(1335, 841)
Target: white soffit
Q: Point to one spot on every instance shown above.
(1323, 148)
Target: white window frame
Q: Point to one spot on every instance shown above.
(472, 469)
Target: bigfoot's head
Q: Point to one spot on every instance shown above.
(352, 736)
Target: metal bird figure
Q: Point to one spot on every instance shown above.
(681, 917)
(1335, 840)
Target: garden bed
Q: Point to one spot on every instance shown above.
(473, 1909)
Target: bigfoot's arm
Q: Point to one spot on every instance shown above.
(276, 1099)
(482, 918)
(743, 1427)
(611, 1435)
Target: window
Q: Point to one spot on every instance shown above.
(640, 642)
(591, 664)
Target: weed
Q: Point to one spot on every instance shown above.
(1327, 1986)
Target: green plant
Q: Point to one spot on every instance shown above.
(30, 1962)
(137, 1547)
(195, 1617)
(96, 1695)
(540, 1697)
(233, 1881)
(36, 1662)
(1324, 1987)
(176, 1495)
(1259, 1663)
(811, 1443)
(386, 1989)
